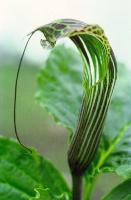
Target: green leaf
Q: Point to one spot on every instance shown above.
(124, 170)
(45, 194)
(120, 158)
(42, 194)
(121, 192)
(128, 197)
(60, 86)
(21, 172)
(108, 150)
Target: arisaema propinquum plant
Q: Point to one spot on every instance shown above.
(99, 76)
(84, 115)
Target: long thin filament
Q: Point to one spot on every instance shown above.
(15, 94)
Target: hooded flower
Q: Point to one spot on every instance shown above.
(99, 76)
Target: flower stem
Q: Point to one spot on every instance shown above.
(88, 191)
(77, 187)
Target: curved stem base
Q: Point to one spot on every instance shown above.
(77, 187)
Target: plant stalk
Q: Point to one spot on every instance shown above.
(77, 187)
(88, 191)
